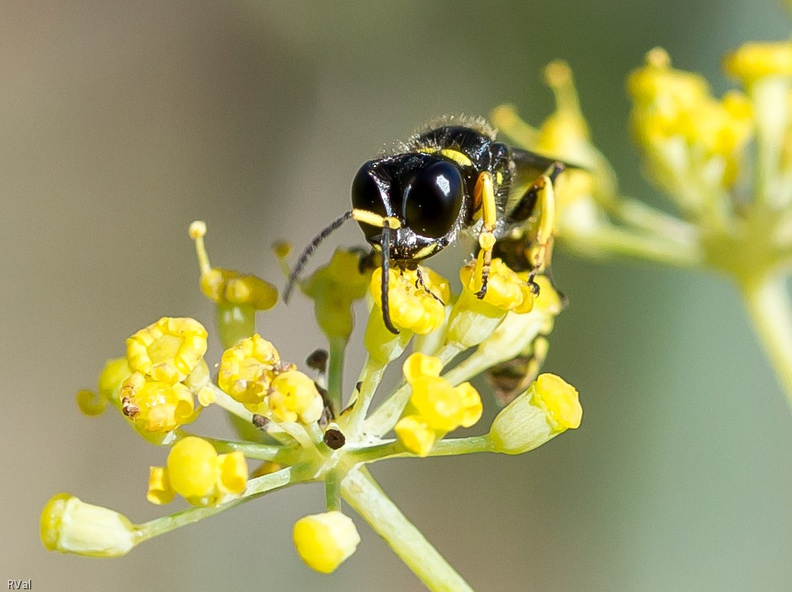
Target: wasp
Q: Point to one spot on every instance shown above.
(454, 177)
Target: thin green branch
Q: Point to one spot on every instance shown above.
(253, 450)
(333, 491)
(768, 305)
(335, 373)
(256, 488)
(638, 215)
(370, 378)
(224, 400)
(447, 447)
(613, 240)
(365, 496)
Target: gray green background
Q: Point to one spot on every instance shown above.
(120, 122)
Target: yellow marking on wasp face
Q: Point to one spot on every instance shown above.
(375, 219)
(457, 156)
(499, 177)
(425, 252)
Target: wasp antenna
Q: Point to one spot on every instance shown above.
(386, 241)
(309, 250)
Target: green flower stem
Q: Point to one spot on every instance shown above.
(370, 378)
(252, 450)
(364, 495)
(450, 447)
(287, 433)
(235, 322)
(385, 417)
(333, 491)
(383, 450)
(648, 219)
(468, 445)
(335, 372)
(472, 366)
(768, 305)
(316, 433)
(770, 97)
(256, 488)
(295, 430)
(612, 240)
(224, 400)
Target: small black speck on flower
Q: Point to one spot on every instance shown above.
(334, 439)
(260, 421)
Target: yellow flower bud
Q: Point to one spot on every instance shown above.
(167, 350)
(200, 475)
(516, 333)
(226, 286)
(419, 364)
(549, 407)
(160, 491)
(753, 61)
(435, 407)
(334, 288)
(559, 399)
(113, 375)
(233, 473)
(192, 468)
(415, 435)
(505, 289)
(155, 406)
(69, 525)
(293, 396)
(325, 541)
(414, 307)
(247, 369)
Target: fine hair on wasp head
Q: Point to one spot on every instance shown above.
(386, 223)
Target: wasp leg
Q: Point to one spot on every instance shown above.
(485, 195)
(538, 203)
(419, 282)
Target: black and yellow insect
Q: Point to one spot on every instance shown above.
(451, 178)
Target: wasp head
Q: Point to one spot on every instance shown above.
(424, 192)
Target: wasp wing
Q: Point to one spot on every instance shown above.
(528, 167)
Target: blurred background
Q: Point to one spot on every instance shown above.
(121, 122)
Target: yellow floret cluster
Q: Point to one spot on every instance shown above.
(167, 371)
(197, 473)
(417, 303)
(253, 374)
(435, 407)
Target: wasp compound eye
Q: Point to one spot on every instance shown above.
(433, 199)
(368, 195)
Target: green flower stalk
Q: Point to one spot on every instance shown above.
(302, 431)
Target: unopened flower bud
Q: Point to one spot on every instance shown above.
(549, 407)
(69, 525)
(325, 541)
